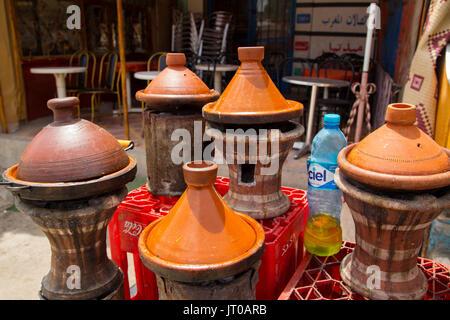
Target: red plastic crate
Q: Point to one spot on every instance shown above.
(283, 248)
(318, 278)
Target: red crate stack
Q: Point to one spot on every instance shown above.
(318, 278)
(283, 249)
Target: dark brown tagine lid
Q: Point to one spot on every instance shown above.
(251, 97)
(70, 149)
(398, 155)
(176, 87)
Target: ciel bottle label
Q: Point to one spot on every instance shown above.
(321, 175)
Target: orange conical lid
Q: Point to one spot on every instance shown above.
(251, 97)
(398, 155)
(176, 86)
(201, 228)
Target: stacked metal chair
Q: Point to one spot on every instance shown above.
(216, 35)
(186, 33)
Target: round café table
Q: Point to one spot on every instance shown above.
(60, 76)
(144, 75)
(315, 83)
(131, 66)
(220, 68)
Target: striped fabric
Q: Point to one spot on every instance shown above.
(421, 88)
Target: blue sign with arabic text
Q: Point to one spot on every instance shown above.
(304, 18)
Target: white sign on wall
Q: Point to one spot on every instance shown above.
(329, 26)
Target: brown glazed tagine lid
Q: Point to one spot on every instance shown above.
(398, 155)
(251, 97)
(201, 238)
(70, 149)
(175, 87)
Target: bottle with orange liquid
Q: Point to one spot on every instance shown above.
(323, 233)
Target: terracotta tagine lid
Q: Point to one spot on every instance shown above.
(70, 149)
(251, 97)
(201, 238)
(398, 155)
(176, 86)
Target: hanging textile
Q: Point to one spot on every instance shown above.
(442, 135)
(421, 88)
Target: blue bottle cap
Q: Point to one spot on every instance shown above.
(332, 119)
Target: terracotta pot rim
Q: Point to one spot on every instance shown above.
(171, 101)
(295, 110)
(210, 165)
(67, 190)
(86, 210)
(202, 272)
(390, 181)
(419, 203)
(402, 106)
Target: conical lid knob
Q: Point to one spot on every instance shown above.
(176, 86)
(70, 149)
(201, 229)
(251, 97)
(399, 151)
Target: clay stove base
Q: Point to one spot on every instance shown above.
(116, 294)
(76, 230)
(165, 178)
(243, 287)
(389, 229)
(255, 177)
(348, 267)
(272, 207)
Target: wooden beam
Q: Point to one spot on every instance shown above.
(2, 114)
(17, 57)
(120, 27)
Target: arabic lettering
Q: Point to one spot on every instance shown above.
(337, 20)
(352, 20)
(341, 47)
(355, 20)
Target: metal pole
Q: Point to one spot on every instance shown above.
(2, 114)
(372, 23)
(123, 67)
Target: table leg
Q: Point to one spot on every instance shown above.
(218, 81)
(312, 105)
(129, 97)
(128, 80)
(61, 85)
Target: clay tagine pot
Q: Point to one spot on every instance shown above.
(201, 239)
(176, 87)
(251, 97)
(398, 155)
(380, 178)
(243, 120)
(70, 149)
(70, 180)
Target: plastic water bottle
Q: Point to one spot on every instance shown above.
(323, 233)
